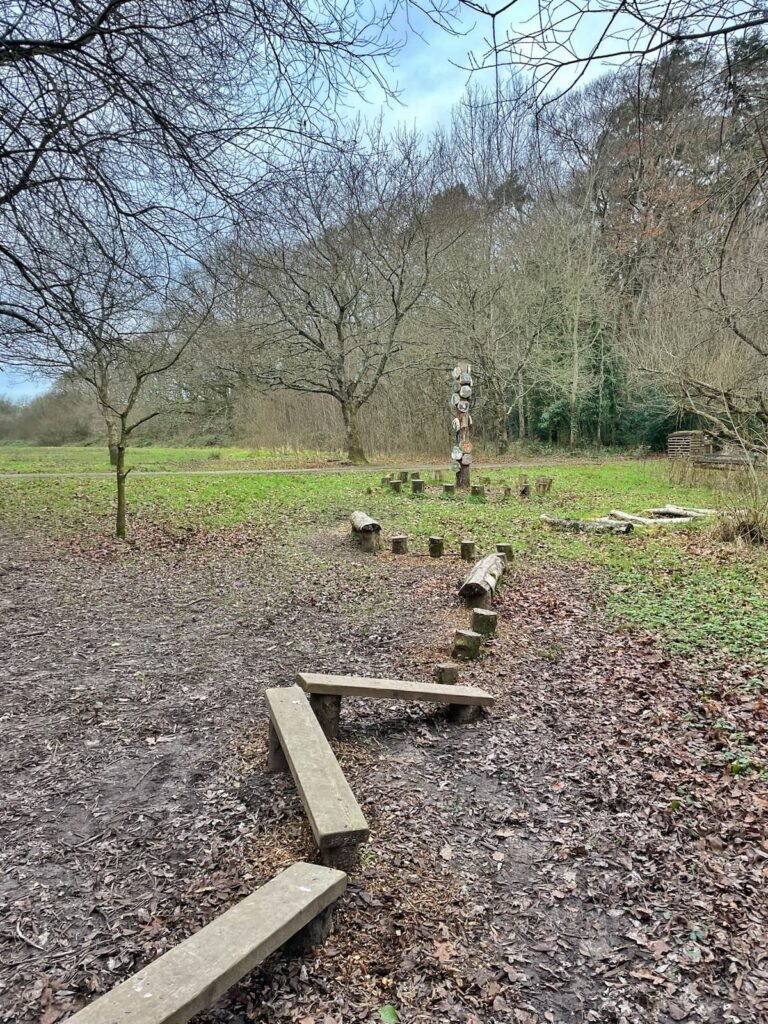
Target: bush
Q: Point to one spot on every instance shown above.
(747, 521)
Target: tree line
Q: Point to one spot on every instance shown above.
(192, 263)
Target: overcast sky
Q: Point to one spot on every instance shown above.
(430, 78)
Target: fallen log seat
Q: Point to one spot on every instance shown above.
(366, 530)
(297, 743)
(587, 526)
(326, 693)
(195, 974)
(478, 588)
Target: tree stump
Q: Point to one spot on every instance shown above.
(506, 550)
(447, 674)
(468, 550)
(477, 491)
(404, 475)
(507, 492)
(543, 485)
(523, 487)
(484, 621)
(400, 545)
(449, 490)
(385, 481)
(466, 644)
(395, 486)
(417, 486)
(436, 547)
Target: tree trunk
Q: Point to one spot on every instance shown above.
(112, 443)
(521, 424)
(351, 416)
(574, 398)
(120, 528)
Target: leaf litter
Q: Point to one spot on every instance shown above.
(593, 849)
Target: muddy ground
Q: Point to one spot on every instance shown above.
(581, 853)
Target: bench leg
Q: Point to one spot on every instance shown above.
(276, 761)
(343, 858)
(312, 934)
(463, 712)
(327, 708)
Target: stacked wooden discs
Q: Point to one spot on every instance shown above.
(461, 453)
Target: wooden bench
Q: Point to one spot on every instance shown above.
(297, 742)
(195, 974)
(326, 693)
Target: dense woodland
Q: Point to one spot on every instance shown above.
(599, 258)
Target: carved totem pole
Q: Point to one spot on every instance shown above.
(460, 425)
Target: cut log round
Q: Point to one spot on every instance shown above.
(586, 526)
(506, 550)
(417, 486)
(507, 492)
(477, 491)
(484, 621)
(396, 486)
(449, 490)
(543, 485)
(436, 547)
(404, 475)
(447, 674)
(400, 545)
(468, 550)
(480, 585)
(467, 644)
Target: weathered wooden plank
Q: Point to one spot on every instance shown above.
(333, 812)
(395, 689)
(195, 974)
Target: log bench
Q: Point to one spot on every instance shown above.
(298, 743)
(295, 905)
(365, 530)
(326, 693)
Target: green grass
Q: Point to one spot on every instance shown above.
(695, 594)
(95, 459)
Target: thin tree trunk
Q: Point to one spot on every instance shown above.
(574, 401)
(351, 416)
(112, 443)
(121, 474)
(521, 421)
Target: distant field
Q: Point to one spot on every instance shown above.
(95, 459)
(696, 594)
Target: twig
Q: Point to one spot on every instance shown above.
(29, 942)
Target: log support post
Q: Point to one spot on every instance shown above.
(327, 709)
(462, 713)
(276, 761)
(311, 935)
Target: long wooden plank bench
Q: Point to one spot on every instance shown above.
(326, 692)
(195, 974)
(297, 742)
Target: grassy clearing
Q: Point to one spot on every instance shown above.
(696, 594)
(29, 459)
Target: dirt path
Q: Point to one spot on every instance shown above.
(580, 854)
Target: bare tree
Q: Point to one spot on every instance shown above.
(347, 257)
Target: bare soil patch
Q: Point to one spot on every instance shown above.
(582, 853)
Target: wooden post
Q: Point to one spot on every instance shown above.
(449, 490)
(505, 549)
(385, 480)
(447, 674)
(404, 475)
(507, 492)
(523, 487)
(276, 761)
(468, 550)
(400, 545)
(327, 708)
(395, 486)
(417, 486)
(543, 485)
(484, 621)
(477, 491)
(466, 644)
(436, 547)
